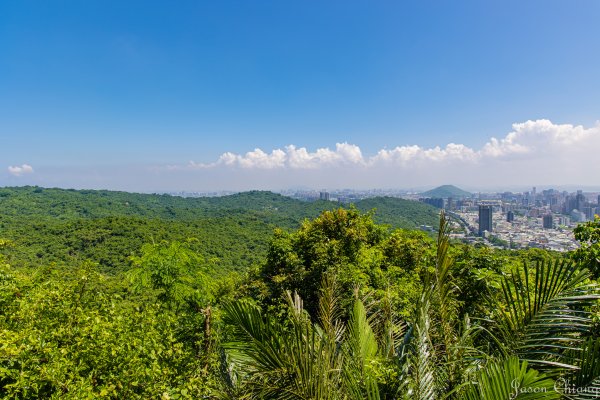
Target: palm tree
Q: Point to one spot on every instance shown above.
(538, 335)
(300, 359)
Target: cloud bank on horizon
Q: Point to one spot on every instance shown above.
(531, 140)
(535, 152)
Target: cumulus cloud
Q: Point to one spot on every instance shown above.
(536, 152)
(528, 140)
(539, 136)
(292, 157)
(255, 159)
(19, 170)
(404, 155)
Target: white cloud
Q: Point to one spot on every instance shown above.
(255, 159)
(531, 153)
(20, 170)
(536, 137)
(404, 155)
(290, 157)
(344, 154)
(529, 140)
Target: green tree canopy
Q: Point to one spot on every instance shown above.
(173, 269)
(349, 244)
(588, 235)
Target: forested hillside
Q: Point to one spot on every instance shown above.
(58, 225)
(339, 308)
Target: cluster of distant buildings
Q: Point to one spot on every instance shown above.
(486, 221)
(344, 196)
(213, 193)
(532, 219)
(553, 206)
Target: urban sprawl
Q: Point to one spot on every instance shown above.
(534, 219)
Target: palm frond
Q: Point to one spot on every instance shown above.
(510, 379)
(392, 333)
(279, 361)
(330, 312)
(545, 318)
(584, 384)
(450, 351)
(417, 357)
(361, 348)
(444, 287)
(465, 356)
(257, 342)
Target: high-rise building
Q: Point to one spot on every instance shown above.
(579, 200)
(510, 216)
(485, 219)
(547, 221)
(575, 202)
(324, 196)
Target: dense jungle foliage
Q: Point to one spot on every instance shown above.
(130, 302)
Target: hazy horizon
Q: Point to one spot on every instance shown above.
(286, 190)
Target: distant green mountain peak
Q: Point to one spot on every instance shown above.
(445, 191)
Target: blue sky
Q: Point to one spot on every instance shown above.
(107, 93)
